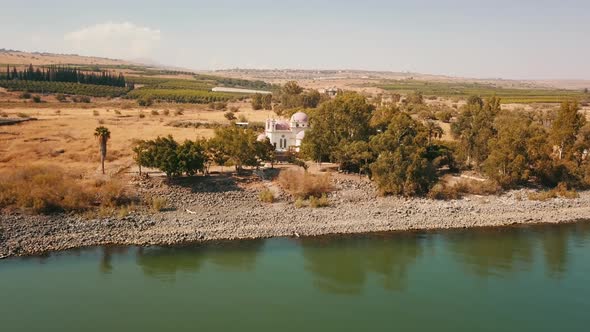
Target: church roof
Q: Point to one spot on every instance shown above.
(299, 117)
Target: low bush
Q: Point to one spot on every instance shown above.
(117, 112)
(299, 203)
(266, 196)
(95, 113)
(166, 112)
(443, 191)
(158, 204)
(22, 115)
(36, 99)
(61, 97)
(25, 95)
(560, 191)
(49, 189)
(315, 202)
(304, 185)
(155, 113)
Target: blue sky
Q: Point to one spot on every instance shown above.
(488, 39)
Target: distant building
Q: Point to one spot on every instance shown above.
(332, 92)
(285, 135)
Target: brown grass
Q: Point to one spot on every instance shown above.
(444, 191)
(48, 189)
(303, 185)
(266, 196)
(560, 191)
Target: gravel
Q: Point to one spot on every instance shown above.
(222, 208)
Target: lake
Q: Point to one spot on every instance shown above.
(510, 279)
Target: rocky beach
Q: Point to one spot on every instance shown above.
(221, 208)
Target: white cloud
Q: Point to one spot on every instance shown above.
(116, 40)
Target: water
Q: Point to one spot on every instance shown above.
(519, 279)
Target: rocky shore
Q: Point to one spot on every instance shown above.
(216, 208)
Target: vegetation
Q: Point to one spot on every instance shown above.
(49, 189)
(266, 196)
(63, 88)
(64, 74)
(103, 135)
(301, 184)
(183, 96)
(464, 90)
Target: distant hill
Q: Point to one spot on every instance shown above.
(14, 57)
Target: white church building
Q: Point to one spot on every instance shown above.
(285, 135)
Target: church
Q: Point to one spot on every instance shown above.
(286, 136)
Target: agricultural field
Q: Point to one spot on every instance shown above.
(463, 90)
(91, 90)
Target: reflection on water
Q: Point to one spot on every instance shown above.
(512, 279)
(499, 252)
(165, 262)
(343, 266)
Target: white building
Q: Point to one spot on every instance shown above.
(285, 135)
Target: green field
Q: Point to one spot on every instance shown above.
(64, 87)
(463, 90)
(184, 95)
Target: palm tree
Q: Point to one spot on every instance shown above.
(103, 135)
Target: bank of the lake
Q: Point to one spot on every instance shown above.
(215, 209)
(501, 279)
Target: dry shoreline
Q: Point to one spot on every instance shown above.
(226, 211)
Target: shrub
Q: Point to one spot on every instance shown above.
(25, 95)
(242, 118)
(315, 202)
(178, 112)
(48, 189)
(299, 203)
(117, 112)
(36, 99)
(560, 191)
(304, 185)
(95, 113)
(81, 99)
(444, 191)
(166, 112)
(61, 97)
(266, 196)
(145, 101)
(158, 204)
(155, 112)
(22, 115)
(229, 115)
(3, 114)
(141, 115)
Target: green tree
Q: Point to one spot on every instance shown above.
(474, 128)
(402, 166)
(343, 119)
(103, 135)
(257, 102)
(565, 128)
(519, 151)
(191, 157)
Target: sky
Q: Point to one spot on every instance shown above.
(517, 39)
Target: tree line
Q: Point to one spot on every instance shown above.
(401, 150)
(64, 74)
(232, 145)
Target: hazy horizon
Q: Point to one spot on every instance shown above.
(525, 40)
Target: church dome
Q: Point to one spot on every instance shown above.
(300, 135)
(299, 117)
(261, 138)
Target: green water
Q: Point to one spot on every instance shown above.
(521, 279)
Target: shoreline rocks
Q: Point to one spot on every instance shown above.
(225, 210)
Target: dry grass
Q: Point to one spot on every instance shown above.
(48, 189)
(158, 204)
(560, 191)
(321, 202)
(304, 184)
(266, 196)
(444, 191)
